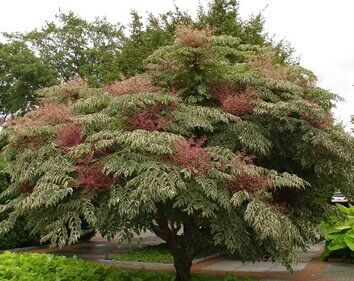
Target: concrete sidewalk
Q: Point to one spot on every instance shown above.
(308, 268)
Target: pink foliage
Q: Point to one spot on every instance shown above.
(249, 183)
(26, 188)
(85, 160)
(237, 105)
(73, 86)
(191, 155)
(69, 136)
(236, 100)
(247, 159)
(91, 178)
(318, 122)
(153, 118)
(281, 207)
(267, 68)
(33, 142)
(48, 114)
(134, 85)
(193, 38)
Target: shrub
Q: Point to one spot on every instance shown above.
(18, 237)
(339, 234)
(43, 267)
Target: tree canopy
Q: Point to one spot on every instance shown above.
(21, 74)
(100, 51)
(74, 46)
(216, 143)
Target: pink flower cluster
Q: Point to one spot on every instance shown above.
(249, 183)
(69, 136)
(91, 178)
(192, 155)
(47, 114)
(134, 85)
(236, 100)
(153, 118)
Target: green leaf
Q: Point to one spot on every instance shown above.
(349, 241)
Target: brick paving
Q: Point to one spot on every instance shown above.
(338, 272)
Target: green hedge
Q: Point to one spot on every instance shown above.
(44, 267)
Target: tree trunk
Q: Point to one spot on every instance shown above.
(181, 250)
(183, 264)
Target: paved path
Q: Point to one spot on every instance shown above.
(99, 248)
(308, 268)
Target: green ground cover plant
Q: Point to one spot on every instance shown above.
(156, 254)
(339, 234)
(44, 267)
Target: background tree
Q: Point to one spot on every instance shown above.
(21, 74)
(74, 46)
(216, 144)
(58, 51)
(144, 39)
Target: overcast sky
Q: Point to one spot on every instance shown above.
(321, 31)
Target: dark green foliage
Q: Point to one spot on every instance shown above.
(21, 74)
(55, 53)
(74, 46)
(18, 237)
(339, 234)
(42, 267)
(222, 16)
(144, 39)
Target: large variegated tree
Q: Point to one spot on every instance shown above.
(215, 144)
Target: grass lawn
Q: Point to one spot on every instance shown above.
(45, 267)
(155, 254)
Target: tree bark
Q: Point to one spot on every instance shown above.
(183, 264)
(182, 252)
